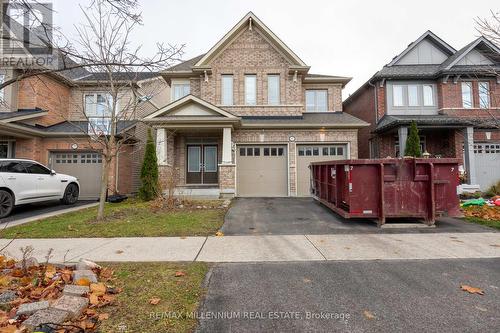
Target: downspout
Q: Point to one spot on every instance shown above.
(116, 172)
(375, 98)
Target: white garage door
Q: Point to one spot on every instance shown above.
(262, 171)
(314, 153)
(85, 166)
(487, 158)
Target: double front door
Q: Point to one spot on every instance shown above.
(202, 165)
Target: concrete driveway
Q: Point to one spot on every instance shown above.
(304, 216)
(355, 296)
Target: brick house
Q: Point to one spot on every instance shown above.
(51, 119)
(453, 96)
(247, 118)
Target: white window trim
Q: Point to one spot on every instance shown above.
(177, 82)
(98, 125)
(278, 102)
(316, 100)
(488, 97)
(471, 94)
(247, 102)
(222, 96)
(405, 95)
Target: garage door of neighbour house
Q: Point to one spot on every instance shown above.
(315, 153)
(262, 171)
(487, 158)
(84, 166)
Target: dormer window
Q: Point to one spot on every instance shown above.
(317, 100)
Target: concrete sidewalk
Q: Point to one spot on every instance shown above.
(266, 248)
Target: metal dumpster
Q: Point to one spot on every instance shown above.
(420, 188)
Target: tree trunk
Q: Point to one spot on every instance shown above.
(104, 187)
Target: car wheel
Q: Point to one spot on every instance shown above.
(70, 194)
(6, 203)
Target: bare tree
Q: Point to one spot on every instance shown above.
(104, 48)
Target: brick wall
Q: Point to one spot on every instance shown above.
(47, 94)
(363, 107)
(251, 53)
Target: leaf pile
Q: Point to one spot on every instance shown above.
(484, 212)
(46, 283)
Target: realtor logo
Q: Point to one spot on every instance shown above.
(27, 34)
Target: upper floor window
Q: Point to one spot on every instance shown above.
(227, 90)
(250, 89)
(413, 95)
(484, 95)
(273, 89)
(467, 99)
(317, 100)
(2, 78)
(180, 90)
(98, 109)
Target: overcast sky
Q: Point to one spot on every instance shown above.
(348, 38)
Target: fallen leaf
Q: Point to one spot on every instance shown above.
(368, 315)
(108, 298)
(179, 274)
(4, 281)
(17, 272)
(119, 252)
(98, 289)
(70, 228)
(471, 290)
(83, 282)
(306, 280)
(103, 316)
(495, 245)
(219, 233)
(154, 300)
(93, 299)
(50, 271)
(9, 329)
(106, 273)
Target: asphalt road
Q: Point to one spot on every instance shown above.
(34, 209)
(304, 216)
(354, 296)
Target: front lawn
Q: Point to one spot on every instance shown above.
(128, 219)
(489, 223)
(175, 287)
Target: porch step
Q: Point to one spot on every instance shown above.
(198, 192)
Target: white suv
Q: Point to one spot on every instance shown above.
(26, 181)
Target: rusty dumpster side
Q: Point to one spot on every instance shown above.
(421, 188)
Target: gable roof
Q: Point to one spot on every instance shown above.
(188, 100)
(247, 22)
(460, 54)
(441, 44)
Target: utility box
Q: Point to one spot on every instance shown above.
(421, 188)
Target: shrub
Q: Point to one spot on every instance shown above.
(413, 142)
(149, 172)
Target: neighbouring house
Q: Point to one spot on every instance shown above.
(453, 96)
(247, 118)
(52, 118)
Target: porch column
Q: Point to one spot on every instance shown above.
(227, 157)
(161, 146)
(469, 159)
(402, 135)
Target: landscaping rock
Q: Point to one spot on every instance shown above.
(72, 304)
(7, 296)
(84, 264)
(50, 315)
(30, 262)
(84, 273)
(29, 308)
(73, 290)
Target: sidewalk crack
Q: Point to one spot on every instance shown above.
(201, 248)
(316, 247)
